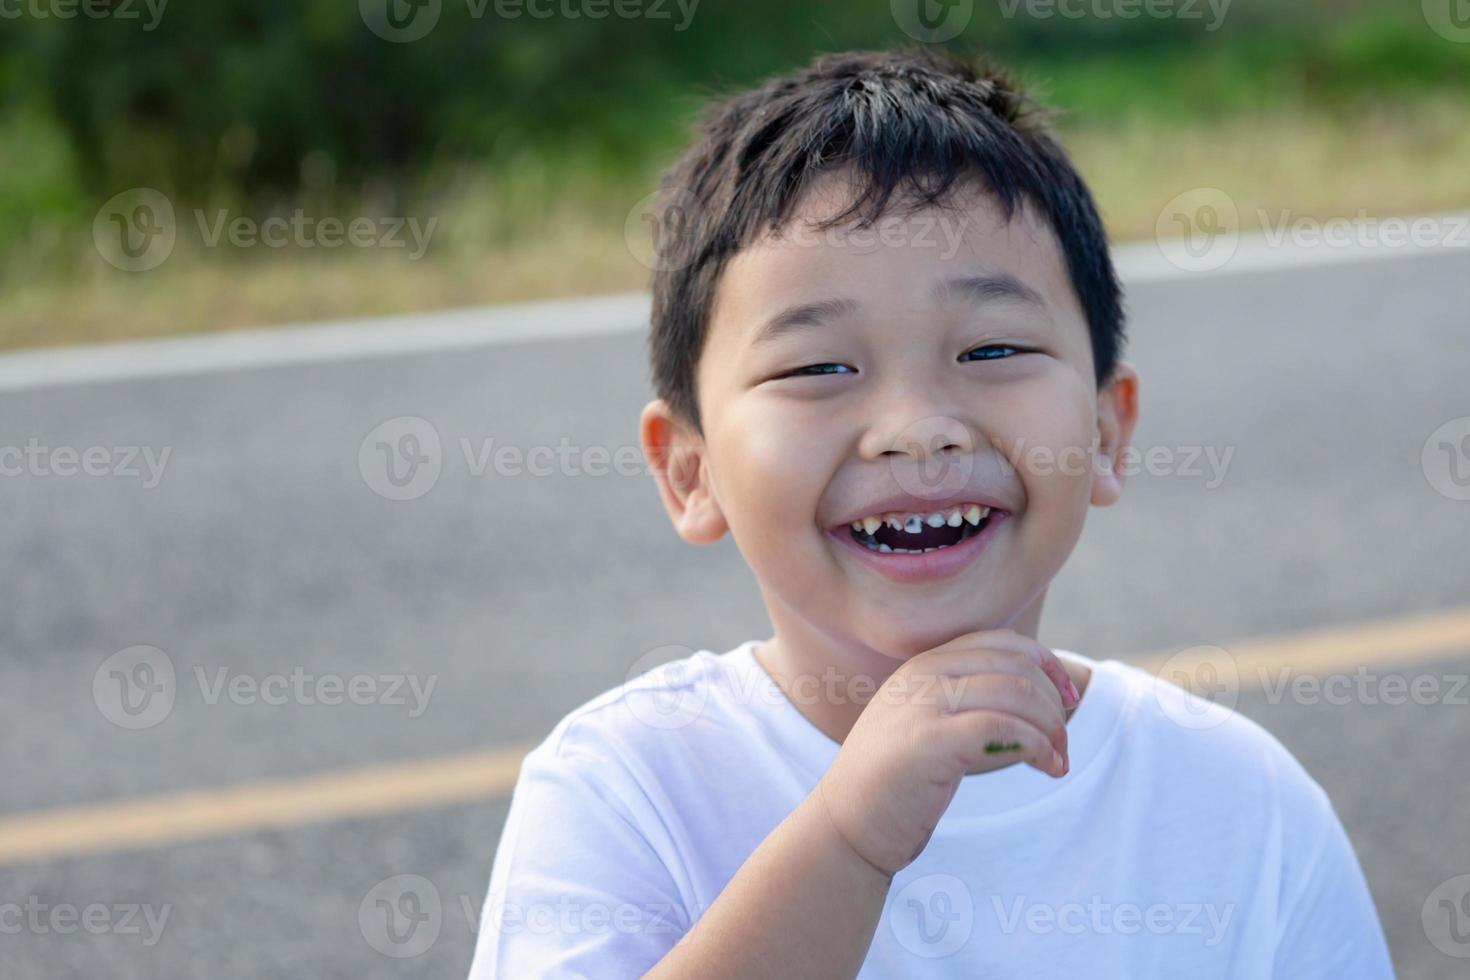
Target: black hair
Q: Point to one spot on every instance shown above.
(912, 121)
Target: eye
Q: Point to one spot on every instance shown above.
(813, 369)
(991, 347)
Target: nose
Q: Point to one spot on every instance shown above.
(911, 416)
(930, 454)
(925, 438)
(917, 431)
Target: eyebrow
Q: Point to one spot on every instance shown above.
(978, 290)
(989, 289)
(797, 318)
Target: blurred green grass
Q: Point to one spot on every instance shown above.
(531, 142)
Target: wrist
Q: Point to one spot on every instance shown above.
(862, 865)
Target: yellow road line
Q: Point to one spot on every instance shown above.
(180, 817)
(1402, 640)
(176, 817)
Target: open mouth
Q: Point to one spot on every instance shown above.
(915, 534)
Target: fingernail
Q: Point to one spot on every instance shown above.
(1076, 694)
(1058, 763)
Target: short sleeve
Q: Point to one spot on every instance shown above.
(576, 889)
(1329, 927)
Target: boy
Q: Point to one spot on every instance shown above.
(886, 346)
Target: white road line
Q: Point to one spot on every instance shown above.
(332, 340)
(1138, 264)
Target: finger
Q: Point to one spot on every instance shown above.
(1014, 659)
(1023, 691)
(981, 737)
(1007, 639)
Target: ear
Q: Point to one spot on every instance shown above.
(1117, 411)
(676, 454)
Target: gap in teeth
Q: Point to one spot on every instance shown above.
(971, 516)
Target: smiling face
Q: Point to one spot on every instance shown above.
(912, 374)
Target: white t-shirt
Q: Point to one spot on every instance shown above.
(1186, 841)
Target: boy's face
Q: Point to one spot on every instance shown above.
(953, 368)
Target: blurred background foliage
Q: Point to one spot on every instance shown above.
(530, 139)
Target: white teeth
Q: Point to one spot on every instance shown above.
(884, 548)
(971, 514)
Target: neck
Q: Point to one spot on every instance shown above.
(831, 679)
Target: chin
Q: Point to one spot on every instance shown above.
(902, 641)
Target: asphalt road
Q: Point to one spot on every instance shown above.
(263, 557)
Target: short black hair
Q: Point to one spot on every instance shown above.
(915, 120)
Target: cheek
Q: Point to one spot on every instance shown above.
(773, 471)
(1047, 439)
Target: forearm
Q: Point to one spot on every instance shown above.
(804, 904)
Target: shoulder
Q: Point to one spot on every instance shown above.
(657, 710)
(1209, 738)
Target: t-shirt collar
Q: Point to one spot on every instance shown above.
(981, 795)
